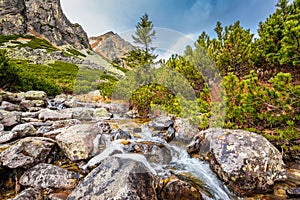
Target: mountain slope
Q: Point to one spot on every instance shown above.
(43, 19)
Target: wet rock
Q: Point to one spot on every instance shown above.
(80, 141)
(103, 127)
(247, 162)
(49, 176)
(51, 115)
(293, 192)
(161, 123)
(29, 194)
(117, 178)
(185, 131)
(176, 189)
(154, 152)
(65, 123)
(26, 152)
(168, 135)
(9, 119)
(10, 106)
(132, 114)
(35, 95)
(120, 134)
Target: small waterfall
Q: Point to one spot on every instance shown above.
(200, 170)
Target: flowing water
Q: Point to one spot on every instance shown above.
(175, 159)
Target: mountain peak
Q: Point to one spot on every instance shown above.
(110, 45)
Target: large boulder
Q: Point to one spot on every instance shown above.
(26, 152)
(35, 95)
(49, 176)
(9, 119)
(247, 162)
(17, 132)
(117, 177)
(80, 141)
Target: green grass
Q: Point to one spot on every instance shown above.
(75, 52)
(34, 43)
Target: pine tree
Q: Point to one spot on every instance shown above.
(144, 36)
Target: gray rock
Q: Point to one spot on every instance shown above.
(161, 123)
(101, 114)
(9, 118)
(29, 194)
(245, 161)
(10, 106)
(24, 130)
(81, 113)
(184, 130)
(120, 134)
(26, 152)
(18, 131)
(117, 178)
(52, 115)
(12, 17)
(49, 176)
(26, 104)
(1, 127)
(155, 152)
(35, 95)
(44, 129)
(79, 141)
(30, 114)
(65, 123)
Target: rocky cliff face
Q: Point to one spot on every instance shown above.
(43, 18)
(110, 45)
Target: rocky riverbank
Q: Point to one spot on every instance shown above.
(66, 148)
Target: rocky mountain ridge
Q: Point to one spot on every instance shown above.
(43, 19)
(110, 45)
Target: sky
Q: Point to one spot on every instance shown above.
(184, 20)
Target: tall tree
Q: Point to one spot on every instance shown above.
(144, 33)
(144, 36)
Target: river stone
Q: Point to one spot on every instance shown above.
(65, 123)
(79, 142)
(10, 118)
(101, 113)
(52, 115)
(161, 123)
(18, 131)
(29, 194)
(184, 130)
(26, 104)
(155, 152)
(10, 106)
(49, 176)
(176, 189)
(247, 162)
(117, 178)
(23, 130)
(26, 152)
(81, 113)
(35, 95)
